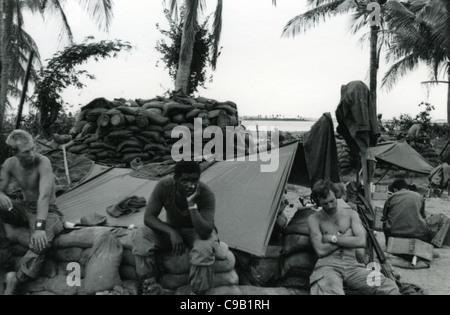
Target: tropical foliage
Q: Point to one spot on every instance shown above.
(419, 33)
(61, 72)
(202, 53)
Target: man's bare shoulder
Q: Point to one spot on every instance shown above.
(9, 164)
(315, 217)
(43, 161)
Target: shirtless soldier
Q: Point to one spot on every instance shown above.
(37, 211)
(336, 234)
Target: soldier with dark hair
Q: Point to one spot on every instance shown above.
(190, 208)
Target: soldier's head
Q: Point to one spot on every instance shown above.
(21, 144)
(187, 175)
(324, 194)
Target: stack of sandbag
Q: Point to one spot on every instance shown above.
(71, 254)
(120, 131)
(174, 270)
(345, 159)
(298, 255)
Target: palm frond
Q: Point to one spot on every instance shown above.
(217, 31)
(399, 69)
(101, 11)
(311, 18)
(173, 8)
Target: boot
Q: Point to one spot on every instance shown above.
(12, 284)
(151, 287)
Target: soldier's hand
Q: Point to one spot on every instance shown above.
(191, 199)
(39, 240)
(5, 202)
(177, 244)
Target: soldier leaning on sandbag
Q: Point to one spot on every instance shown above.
(190, 209)
(37, 211)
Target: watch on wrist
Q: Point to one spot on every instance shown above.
(39, 225)
(194, 207)
(334, 239)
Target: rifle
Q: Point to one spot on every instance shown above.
(386, 268)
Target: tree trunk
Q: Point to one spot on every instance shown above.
(187, 46)
(3, 76)
(448, 96)
(373, 65)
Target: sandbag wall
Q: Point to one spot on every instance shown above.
(174, 270)
(346, 161)
(298, 255)
(75, 247)
(119, 131)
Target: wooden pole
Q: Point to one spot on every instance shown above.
(24, 89)
(66, 166)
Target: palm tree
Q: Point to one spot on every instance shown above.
(16, 43)
(192, 9)
(420, 34)
(323, 9)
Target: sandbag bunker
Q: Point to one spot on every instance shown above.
(120, 131)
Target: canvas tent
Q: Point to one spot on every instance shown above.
(247, 200)
(401, 154)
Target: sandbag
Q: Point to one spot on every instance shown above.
(154, 128)
(130, 120)
(134, 143)
(299, 222)
(179, 118)
(155, 110)
(153, 135)
(58, 285)
(180, 264)
(120, 134)
(200, 106)
(214, 113)
(127, 110)
(156, 147)
(298, 264)
(155, 118)
(141, 121)
(68, 254)
(173, 108)
(229, 109)
(93, 114)
(103, 121)
(112, 112)
(101, 145)
(294, 243)
(78, 148)
(102, 270)
(118, 120)
(193, 113)
(170, 126)
(154, 104)
(87, 129)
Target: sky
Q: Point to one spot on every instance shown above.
(262, 72)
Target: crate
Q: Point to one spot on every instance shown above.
(442, 236)
(380, 192)
(378, 225)
(410, 246)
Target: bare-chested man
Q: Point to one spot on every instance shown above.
(37, 211)
(336, 234)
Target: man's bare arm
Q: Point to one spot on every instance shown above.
(5, 178)
(357, 240)
(322, 249)
(46, 188)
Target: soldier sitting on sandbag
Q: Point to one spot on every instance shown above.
(190, 208)
(404, 215)
(335, 235)
(37, 211)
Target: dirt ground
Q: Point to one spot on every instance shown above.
(436, 279)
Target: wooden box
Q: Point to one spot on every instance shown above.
(410, 246)
(378, 225)
(380, 192)
(442, 235)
